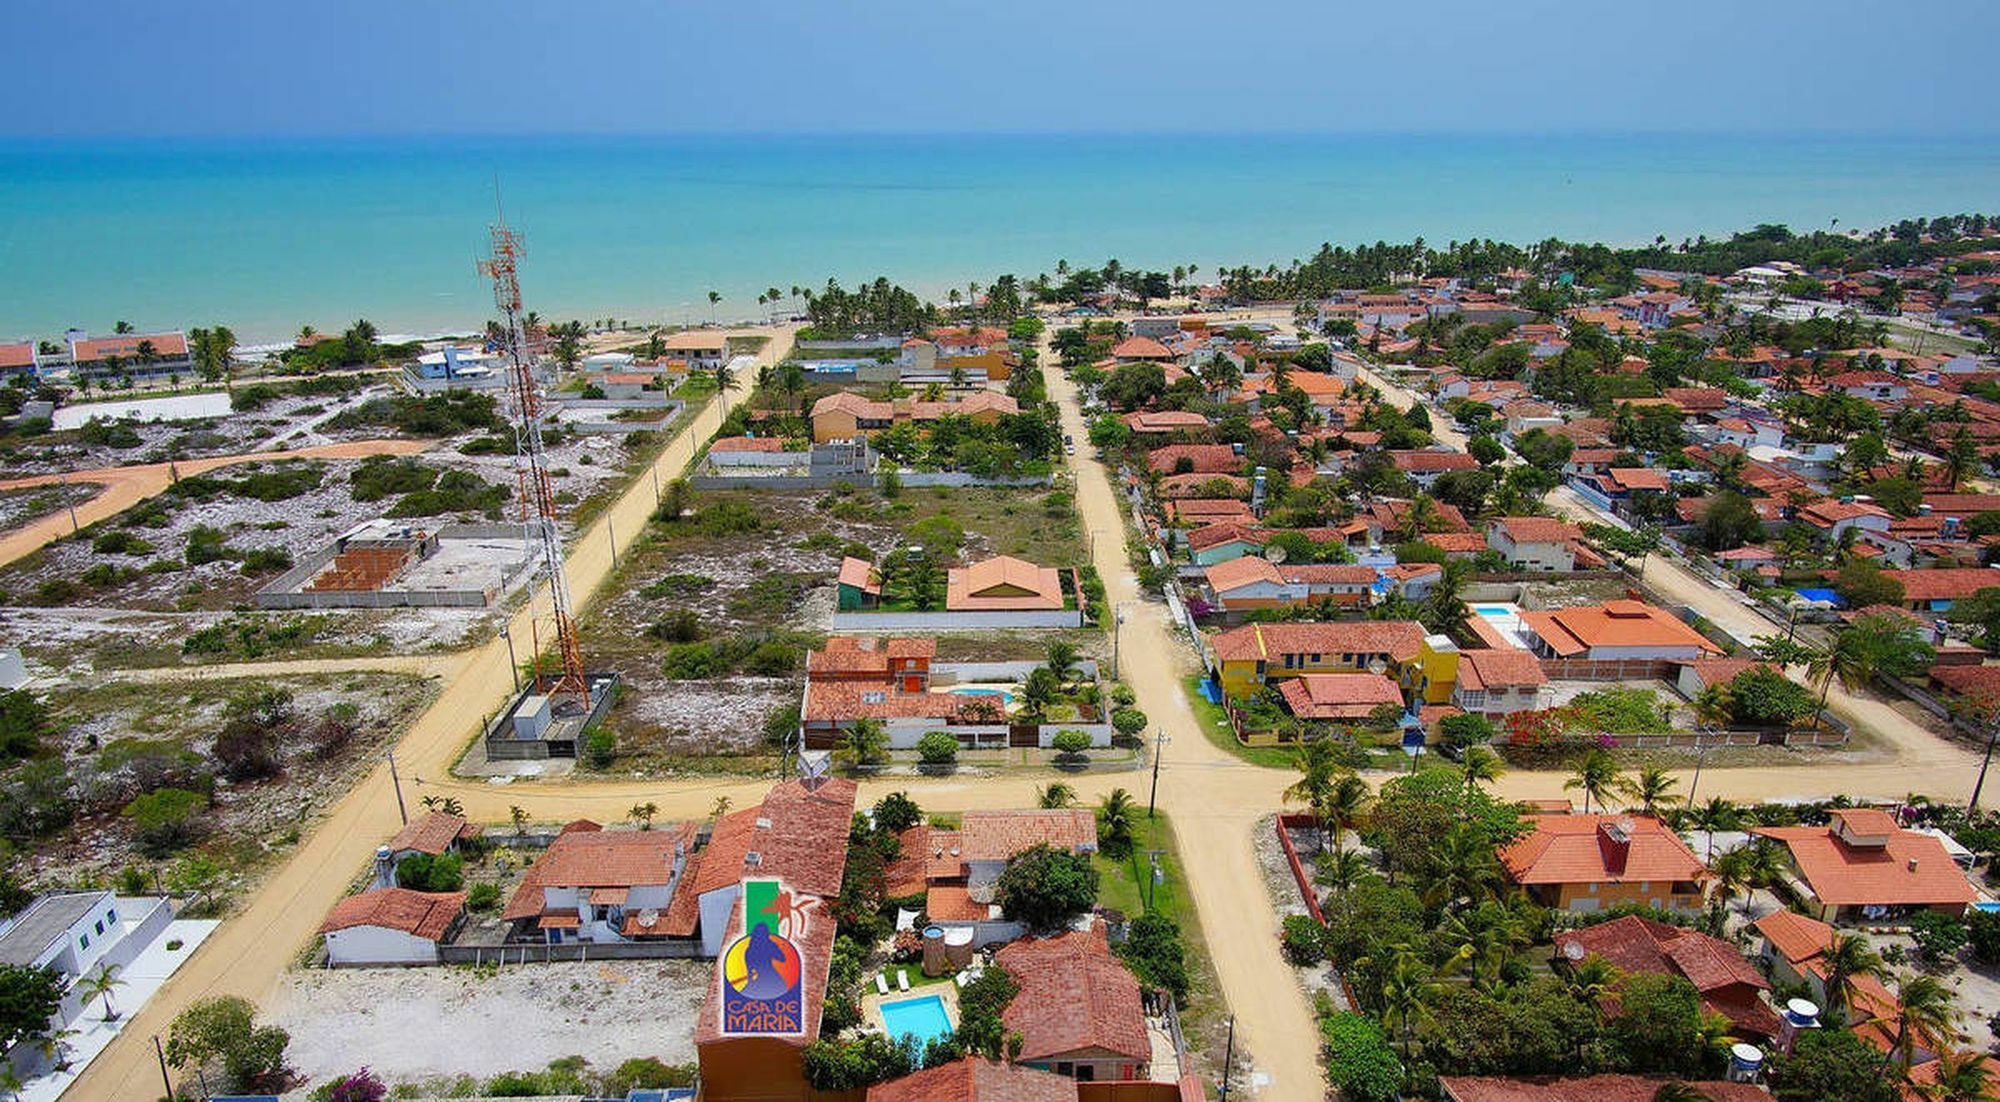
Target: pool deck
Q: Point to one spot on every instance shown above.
(871, 1002)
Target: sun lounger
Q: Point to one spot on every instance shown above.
(903, 979)
(882, 982)
(959, 979)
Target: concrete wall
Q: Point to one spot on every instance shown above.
(678, 949)
(359, 946)
(954, 621)
(758, 459)
(285, 592)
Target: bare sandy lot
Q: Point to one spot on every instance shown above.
(407, 1024)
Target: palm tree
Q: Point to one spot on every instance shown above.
(1596, 776)
(1114, 823)
(518, 815)
(717, 810)
(1055, 794)
(1481, 766)
(1650, 787)
(1317, 769)
(1925, 1010)
(99, 985)
(1732, 876)
(643, 814)
(1715, 815)
(1849, 958)
(714, 297)
(1345, 806)
(1062, 660)
(865, 743)
(1341, 869)
(1408, 990)
(1961, 1077)
(1468, 869)
(1590, 978)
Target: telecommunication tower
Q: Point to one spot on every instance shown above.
(502, 266)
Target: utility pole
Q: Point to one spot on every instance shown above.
(611, 537)
(1701, 753)
(1228, 1058)
(74, 527)
(1153, 879)
(401, 811)
(1117, 634)
(1160, 741)
(1992, 737)
(513, 666)
(656, 484)
(165, 1079)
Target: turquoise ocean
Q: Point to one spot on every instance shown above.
(267, 236)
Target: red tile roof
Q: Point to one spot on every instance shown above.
(1591, 1088)
(1207, 458)
(1003, 583)
(1572, 632)
(1499, 668)
(1946, 585)
(1339, 695)
(1728, 983)
(420, 914)
(1911, 870)
(1165, 420)
(865, 654)
(747, 444)
(17, 355)
(1538, 529)
(976, 1080)
(1721, 671)
(1636, 478)
(1228, 531)
(1399, 639)
(1141, 348)
(1427, 461)
(433, 833)
(1227, 577)
(1980, 683)
(601, 859)
(998, 835)
(169, 346)
(861, 574)
(1582, 849)
(953, 903)
(1074, 995)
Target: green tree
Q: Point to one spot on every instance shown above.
(1359, 1060)
(1764, 697)
(222, 1032)
(1831, 1063)
(1114, 824)
(1862, 584)
(1651, 788)
(1730, 522)
(1062, 661)
(1595, 774)
(1925, 1012)
(166, 819)
(1039, 690)
(1848, 959)
(1155, 953)
(1874, 646)
(23, 721)
(29, 997)
(938, 748)
(896, 813)
(99, 985)
(865, 743)
(1045, 887)
(1055, 794)
(424, 872)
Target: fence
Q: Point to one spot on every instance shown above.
(1285, 825)
(573, 951)
(1586, 669)
(954, 621)
(286, 590)
(1832, 735)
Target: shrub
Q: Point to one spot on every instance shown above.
(23, 720)
(1938, 937)
(1046, 887)
(938, 748)
(1128, 720)
(599, 747)
(896, 812)
(264, 560)
(1467, 730)
(773, 659)
(380, 477)
(1359, 1059)
(204, 545)
(119, 542)
(647, 1073)
(1071, 744)
(781, 725)
(483, 896)
(1302, 940)
(1982, 929)
(690, 662)
(423, 872)
(1154, 951)
(166, 819)
(224, 1030)
(679, 625)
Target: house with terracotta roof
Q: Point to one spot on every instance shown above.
(1588, 1088)
(1726, 983)
(1794, 946)
(391, 926)
(1196, 459)
(1876, 386)
(1339, 697)
(975, 1080)
(1251, 657)
(1078, 1011)
(1250, 582)
(1141, 350)
(858, 586)
(1230, 539)
(701, 348)
(18, 357)
(1003, 584)
(846, 415)
(1864, 866)
(960, 869)
(1166, 422)
(1497, 681)
(1535, 543)
(798, 834)
(1207, 510)
(1425, 467)
(1617, 631)
(1592, 862)
(432, 834)
(1615, 487)
(606, 886)
(1831, 518)
(1937, 590)
(135, 354)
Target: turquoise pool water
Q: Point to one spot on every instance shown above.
(1493, 611)
(1005, 696)
(923, 1017)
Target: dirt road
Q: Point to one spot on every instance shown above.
(251, 950)
(125, 487)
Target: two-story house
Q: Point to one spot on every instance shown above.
(1535, 543)
(1496, 681)
(1249, 658)
(1591, 862)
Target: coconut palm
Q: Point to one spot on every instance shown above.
(1114, 823)
(1650, 788)
(1055, 794)
(1467, 869)
(1317, 771)
(1341, 869)
(1596, 776)
(1408, 989)
(1873, 645)
(1849, 958)
(1925, 1011)
(1481, 766)
(1961, 1076)
(865, 743)
(1062, 661)
(99, 985)
(643, 814)
(1590, 978)
(1716, 815)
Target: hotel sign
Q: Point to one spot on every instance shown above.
(763, 975)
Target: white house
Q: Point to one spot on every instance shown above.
(1535, 543)
(77, 933)
(1623, 630)
(703, 349)
(391, 926)
(600, 886)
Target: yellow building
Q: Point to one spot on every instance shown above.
(1594, 862)
(1254, 656)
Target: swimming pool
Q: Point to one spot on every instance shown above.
(974, 690)
(923, 1018)
(1493, 612)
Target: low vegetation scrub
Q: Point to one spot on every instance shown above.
(254, 636)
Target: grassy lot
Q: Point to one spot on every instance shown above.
(1215, 724)
(1125, 885)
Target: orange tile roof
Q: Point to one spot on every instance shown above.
(953, 903)
(1637, 478)
(1227, 577)
(1427, 461)
(1794, 936)
(1626, 623)
(1499, 668)
(1538, 529)
(1727, 982)
(1399, 639)
(1074, 996)
(432, 833)
(1580, 849)
(1207, 458)
(1721, 671)
(1946, 585)
(420, 914)
(601, 859)
(1165, 420)
(1228, 531)
(861, 574)
(998, 835)
(1339, 695)
(1911, 870)
(747, 444)
(168, 346)
(1003, 584)
(976, 1080)
(1141, 348)
(17, 355)
(865, 654)
(883, 698)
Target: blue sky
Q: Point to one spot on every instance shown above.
(104, 68)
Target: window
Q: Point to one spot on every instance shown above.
(83, 942)
(100, 926)
(874, 696)
(1316, 659)
(111, 916)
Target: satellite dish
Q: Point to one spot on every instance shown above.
(648, 919)
(815, 766)
(1572, 951)
(1274, 555)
